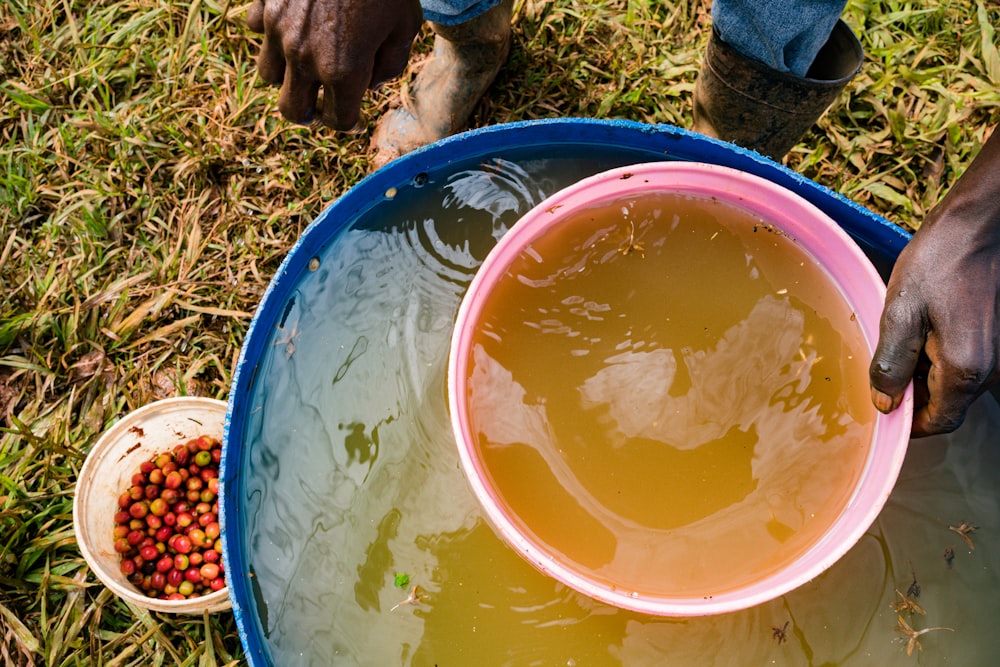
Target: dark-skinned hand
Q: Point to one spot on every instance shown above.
(941, 322)
(343, 46)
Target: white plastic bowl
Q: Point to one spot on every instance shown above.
(139, 436)
(818, 236)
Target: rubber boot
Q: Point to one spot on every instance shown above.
(465, 61)
(745, 102)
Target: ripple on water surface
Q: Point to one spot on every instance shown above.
(352, 477)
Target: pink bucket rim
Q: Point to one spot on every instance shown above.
(812, 230)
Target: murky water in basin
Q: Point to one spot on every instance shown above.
(354, 477)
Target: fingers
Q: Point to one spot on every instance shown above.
(255, 16)
(341, 107)
(297, 100)
(901, 337)
(950, 364)
(309, 44)
(390, 61)
(953, 383)
(342, 98)
(934, 419)
(271, 61)
(300, 86)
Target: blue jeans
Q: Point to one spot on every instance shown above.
(453, 12)
(785, 35)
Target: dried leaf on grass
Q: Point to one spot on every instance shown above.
(10, 625)
(991, 58)
(89, 365)
(884, 191)
(11, 390)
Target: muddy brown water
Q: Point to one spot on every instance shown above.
(353, 477)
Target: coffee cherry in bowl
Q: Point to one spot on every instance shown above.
(167, 529)
(136, 469)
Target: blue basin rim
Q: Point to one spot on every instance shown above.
(881, 240)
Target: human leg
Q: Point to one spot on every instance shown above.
(784, 35)
(466, 59)
(767, 79)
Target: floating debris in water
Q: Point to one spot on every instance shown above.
(288, 340)
(780, 634)
(949, 556)
(415, 598)
(631, 245)
(964, 529)
(914, 590)
(911, 635)
(906, 603)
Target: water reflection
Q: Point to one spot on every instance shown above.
(353, 477)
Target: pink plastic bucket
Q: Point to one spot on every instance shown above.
(819, 236)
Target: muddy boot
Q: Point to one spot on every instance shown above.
(465, 61)
(745, 102)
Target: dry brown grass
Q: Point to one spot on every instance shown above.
(149, 190)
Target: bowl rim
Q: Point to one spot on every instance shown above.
(97, 458)
(820, 237)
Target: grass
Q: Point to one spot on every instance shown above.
(149, 190)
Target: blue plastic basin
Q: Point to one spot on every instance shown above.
(631, 142)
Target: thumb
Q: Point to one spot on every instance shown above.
(901, 337)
